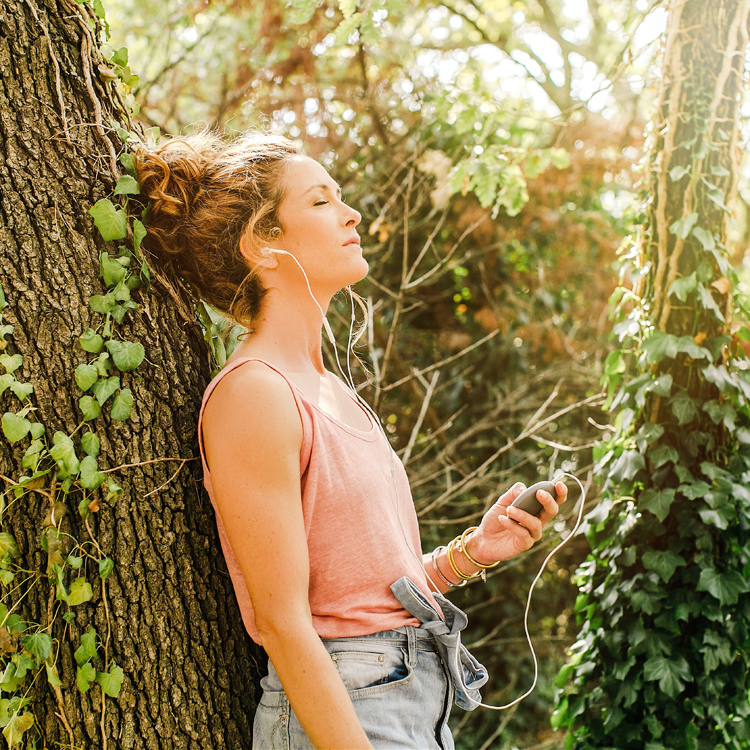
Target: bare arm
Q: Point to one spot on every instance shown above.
(252, 434)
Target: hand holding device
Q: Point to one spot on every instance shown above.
(528, 501)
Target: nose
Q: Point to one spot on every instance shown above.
(353, 217)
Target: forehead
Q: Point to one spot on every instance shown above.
(302, 173)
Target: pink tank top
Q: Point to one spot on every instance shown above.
(355, 543)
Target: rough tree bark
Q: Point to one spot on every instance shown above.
(190, 670)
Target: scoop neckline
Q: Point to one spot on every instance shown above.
(370, 434)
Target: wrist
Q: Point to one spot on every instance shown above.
(473, 545)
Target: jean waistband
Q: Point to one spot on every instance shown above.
(399, 636)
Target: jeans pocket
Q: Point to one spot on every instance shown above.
(369, 670)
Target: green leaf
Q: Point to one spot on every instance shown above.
(139, 232)
(122, 405)
(301, 12)
(90, 408)
(704, 237)
(90, 444)
(106, 565)
(627, 466)
(15, 428)
(682, 287)
(664, 563)
(91, 341)
(87, 649)
(21, 390)
(126, 185)
(102, 303)
(8, 545)
(110, 221)
(725, 587)
(37, 430)
(682, 227)
(16, 727)
(53, 678)
(663, 453)
(126, 355)
(677, 173)
(91, 477)
(694, 489)
(105, 387)
(683, 407)
(11, 363)
(38, 644)
(648, 433)
(86, 376)
(74, 561)
(80, 592)
(111, 681)
(709, 302)
(657, 501)
(671, 673)
(64, 452)
(5, 382)
(112, 271)
(85, 675)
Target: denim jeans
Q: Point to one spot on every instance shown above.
(400, 689)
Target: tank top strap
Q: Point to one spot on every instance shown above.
(302, 408)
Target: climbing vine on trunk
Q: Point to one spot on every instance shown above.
(662, 658)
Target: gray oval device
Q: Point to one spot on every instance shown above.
(527, 499)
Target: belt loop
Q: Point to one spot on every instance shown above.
(411, 639)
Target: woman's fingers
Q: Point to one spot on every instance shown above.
(531, 523)
(522, 534)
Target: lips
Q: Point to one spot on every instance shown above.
(353, 241)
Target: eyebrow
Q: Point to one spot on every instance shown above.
(322, 187)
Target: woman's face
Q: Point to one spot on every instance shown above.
(319, 228)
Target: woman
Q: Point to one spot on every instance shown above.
(313, 507)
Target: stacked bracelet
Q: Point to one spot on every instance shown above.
(452, 563)
(465, 548)
(440, 572)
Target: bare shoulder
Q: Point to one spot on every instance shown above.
(252, 403)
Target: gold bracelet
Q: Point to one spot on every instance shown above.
(454, 567)
(465, 549)
(440, 572)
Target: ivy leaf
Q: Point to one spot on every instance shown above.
(86, 376)
(37, 430)
(91, 477)
(126, 355)
(139, 232)
(8, 545)
(725, 587)
(21, 390)
(627, 466)
(719, 377)
(110, 221)
(126, 185)
(682, 227)
(682, 287)
(85, 675)
(302, 11)
(90, 444)
(80, 592)
(647, 434)
(53, 678)
(91, 341)
(90, 408)
(87, 649)
(15, 428)
(106, 565)
(664, 563)
(38, 644)
(102, 303)
(64, 452)
(112, 271)
(122, 405)
(694, 490)
(105, 387)
(671, 673)
(657, 501)
(704, 237)
(5, 382)
(111, 681)
(709, 302)
(677, 173)
(18, 724)
(11, 362)
(683, 407)
(663, 453)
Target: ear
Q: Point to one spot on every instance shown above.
(255, 255)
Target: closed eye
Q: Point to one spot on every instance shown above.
(320, 203)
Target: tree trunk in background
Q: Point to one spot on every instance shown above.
(662, 659)
(190, 670)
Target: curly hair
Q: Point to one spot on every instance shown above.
(204, 194)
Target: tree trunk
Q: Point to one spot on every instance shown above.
(662, 659)
(166, 614)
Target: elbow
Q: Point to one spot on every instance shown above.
(278, 629)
